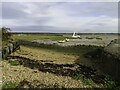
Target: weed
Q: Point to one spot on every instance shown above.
(83, 79)
(88, 81)
(109, 83)
(78, 77)
(42, 36)
(8, 85)
(14, 62)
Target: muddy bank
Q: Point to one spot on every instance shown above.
(105, 61)
(61, 69)
(76, 49)
(71, 43)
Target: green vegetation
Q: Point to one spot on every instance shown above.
(76, 50)
(83, 79)
(8, 85)
(108, 81)
(78, 77)
(6, 36)
(41, 36)
(88, 82)
(86, 39)
(14, 63)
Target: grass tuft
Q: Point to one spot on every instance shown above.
(78, 77)
(88, 81)
(14, 62)
(109, 83)
(9, 85)
(83, 79)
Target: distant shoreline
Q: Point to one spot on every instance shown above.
(59, 33)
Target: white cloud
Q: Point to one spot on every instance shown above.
(60, 0)
(63, 16)
(83, 23)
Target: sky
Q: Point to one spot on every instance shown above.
(60, 17)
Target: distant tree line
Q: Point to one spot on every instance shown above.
(60, 34)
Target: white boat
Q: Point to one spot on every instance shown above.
(67, 40)
(75, 36)
(61, 41)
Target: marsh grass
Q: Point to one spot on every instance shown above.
(85, 80)
(9, 85)
(14, 62)
(39, 37)
(78, 77)
(88, 81)
(76, 50)
(110, 83)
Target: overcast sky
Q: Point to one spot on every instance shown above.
(88, 17)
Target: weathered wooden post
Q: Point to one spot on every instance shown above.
(4, 53)
(0, 54)
(11, 47)
(17, 46)
(9, 50)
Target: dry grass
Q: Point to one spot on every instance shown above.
(46, 55)
(37, 78)
(19, 73)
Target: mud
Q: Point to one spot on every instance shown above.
(61, 69)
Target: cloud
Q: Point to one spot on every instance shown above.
(93, 9)
(60, 1)
(12, 10)
(39, 29)
(61, 16)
